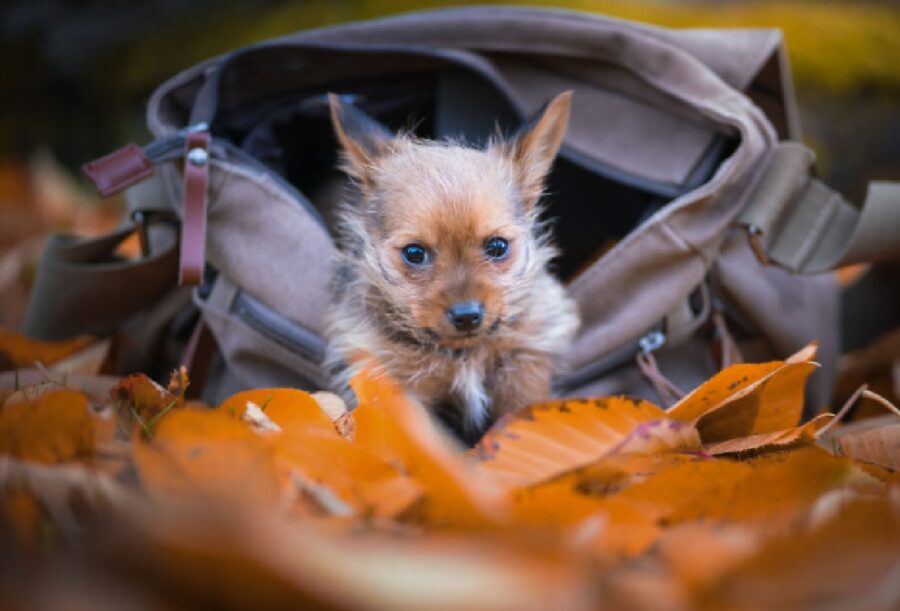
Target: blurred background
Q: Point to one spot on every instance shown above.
(78, 73)
(77, 76)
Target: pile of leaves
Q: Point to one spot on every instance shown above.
(133, 497)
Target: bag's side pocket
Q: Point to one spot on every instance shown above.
(83, 287)
(257, 345)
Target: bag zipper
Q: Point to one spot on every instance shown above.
(280, 330)
(648, 343)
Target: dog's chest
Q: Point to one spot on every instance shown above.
(463, 379)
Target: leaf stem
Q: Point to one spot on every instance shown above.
(843, 411)
(140, 421)
(162, 412)
(868, 394)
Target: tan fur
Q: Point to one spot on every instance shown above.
(391, 316)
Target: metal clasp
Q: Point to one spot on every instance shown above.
(652, 342)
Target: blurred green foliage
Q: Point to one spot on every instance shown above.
(838, 46)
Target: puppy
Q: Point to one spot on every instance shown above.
(441, 277)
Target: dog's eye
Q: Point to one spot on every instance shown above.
(414, 254)
(496, 248)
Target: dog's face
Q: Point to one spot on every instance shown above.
(448, 234)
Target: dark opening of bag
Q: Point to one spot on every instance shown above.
(591, 205)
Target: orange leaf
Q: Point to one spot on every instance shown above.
(579, 501)
(805, 432)
(256, 561)
(202, 454)
(746, 400)
(54, 428)
(771, 489)
(142, 402)
(698, 552)
(20, 511)
(690, 490)
(850, 562)
(544, 440)
(308, 445)
(719, 388)
(659, 436)
(400, 432)
(16, 350)
(355, 475)
(616, 529)
(573, 496)
(291, 409)
(388, 497)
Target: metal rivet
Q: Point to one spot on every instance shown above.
(651, 342)
(198, 156)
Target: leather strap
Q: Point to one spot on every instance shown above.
(82, 287)
(193, 221)
(118, 170)
(197, 357)
(797, 222)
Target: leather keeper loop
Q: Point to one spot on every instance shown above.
(193, 220)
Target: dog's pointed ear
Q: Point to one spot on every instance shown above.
(362, 138)
(534, 146)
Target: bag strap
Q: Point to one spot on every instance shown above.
(83, 287)
(796, 221)
(133, 167)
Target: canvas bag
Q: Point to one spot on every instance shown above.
(681, 151)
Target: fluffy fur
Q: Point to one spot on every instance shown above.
(392, 316)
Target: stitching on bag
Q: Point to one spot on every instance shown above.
(822, 217)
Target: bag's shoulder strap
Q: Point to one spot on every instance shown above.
(796, 221)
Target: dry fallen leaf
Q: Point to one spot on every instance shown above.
(805, 432)
(28, 384)
(747, 400)
(879, 445)
(18, 351)
(206, 455)
(268, 501)
(393, 428)
(140, 404)
(360, 479)
(874, 441)
(291, 409)
(851, 562)
(56, 427)
(252, 560)
(545, 440)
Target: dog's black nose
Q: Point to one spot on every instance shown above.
(466, 316)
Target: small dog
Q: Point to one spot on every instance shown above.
(442, 277)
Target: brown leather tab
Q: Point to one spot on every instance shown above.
(193, 221)
(118, 170)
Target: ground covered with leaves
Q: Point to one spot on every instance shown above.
(121, 494)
